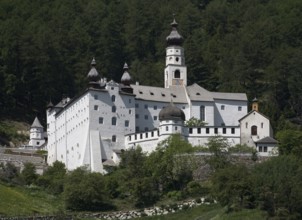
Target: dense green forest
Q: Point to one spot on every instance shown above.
(230, 45)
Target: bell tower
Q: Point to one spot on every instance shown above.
(176, 70)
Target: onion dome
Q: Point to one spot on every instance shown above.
(126, 78)
(93, 75)
(174, 38)
(171, 112)
(126, 81)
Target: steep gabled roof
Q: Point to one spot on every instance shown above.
(36, 124)
(251, 113)
(267, 140)
(159, 94)
(197, 93)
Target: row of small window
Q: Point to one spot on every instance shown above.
(113, 121)
(222, 107)
(112, 98)
(224, 130)
(262, 148)
(145, 106)
(143, 135)
(146, 117)
(113, 109)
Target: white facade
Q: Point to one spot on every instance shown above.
(92, 128)
(253, 127)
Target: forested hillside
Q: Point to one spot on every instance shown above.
(236, 46)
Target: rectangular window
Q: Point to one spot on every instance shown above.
(136, 115)
(130, 111)
(152, 134)
(129, 138)
(141, 135)
(222, 107)
(155, 118)
(146, 117)
(260, 148)
(207, 130)
(167, 128)
(146, 129)
(265, 149)
(175, 128)
(239, 108)
(146, 106)
(190, 130)
(155, 107)
(135, 137)
(202, 113)
(136, 105)
(126, 123)
(136, 129)
(101, 120)
(129, 100)
(95, 96)
(96, 107)
(216, 130)
(198, 130)
(146, 135)
(262, 125)
(224, 130)
(233, 130)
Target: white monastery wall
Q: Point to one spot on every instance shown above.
(228, 112)
(209, 111)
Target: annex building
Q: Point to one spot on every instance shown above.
(92, 128)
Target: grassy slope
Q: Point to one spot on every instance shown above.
(17, 201)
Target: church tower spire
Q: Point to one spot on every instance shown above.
(176, 70)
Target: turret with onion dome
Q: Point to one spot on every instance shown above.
(126, 80)
(171, 121)
(174, 38)
(94, 77)
(176, 71)
(171, 112)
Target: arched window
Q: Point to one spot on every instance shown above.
(113, 120)
(254, 130)
(202, 113)
(177, 74)
(113, 98)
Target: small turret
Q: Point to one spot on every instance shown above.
(36, 134)
(255, 105)
(94, 77)
(126, 80)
